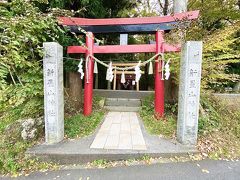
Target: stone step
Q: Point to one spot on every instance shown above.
(123, 102)
(122, 108)
(129, 94)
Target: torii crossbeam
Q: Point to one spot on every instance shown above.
(148, 25)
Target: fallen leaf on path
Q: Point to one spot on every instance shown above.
(205, 171)
(205, 154)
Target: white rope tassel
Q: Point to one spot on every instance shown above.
(138, 71)
(80, 68)
(150, 68)
(95, 70)
(123, 80)
(162, 70)
(109, 74)
(167, 70)
(86, 69)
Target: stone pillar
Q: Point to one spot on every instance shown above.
(123, 39)
(53, 92)
(189, 92)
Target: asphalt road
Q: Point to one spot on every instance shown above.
(207, 169)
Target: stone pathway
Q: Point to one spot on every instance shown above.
(120, 130)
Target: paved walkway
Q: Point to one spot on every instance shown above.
(120, 130)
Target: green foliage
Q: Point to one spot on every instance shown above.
(218, 27)
(166, 126)
(221, 59)
(221, 52)
(22, 36)
(215, 14)
(92, 8)
(23, 29)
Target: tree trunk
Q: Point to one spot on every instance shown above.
(179, 6)
(165, 8)
(75, 89)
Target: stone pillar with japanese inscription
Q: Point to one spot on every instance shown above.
(189, 92)
(53, 92)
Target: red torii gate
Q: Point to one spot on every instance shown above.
(148, 25)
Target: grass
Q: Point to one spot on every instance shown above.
(165, 126)
(80, 126)
(14, 162)
(100, 163)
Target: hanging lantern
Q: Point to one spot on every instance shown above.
(95, 70)
(167, 70)
(80, 68)
(138, 71)
(150, 68)
(123, 78)
(109, 74)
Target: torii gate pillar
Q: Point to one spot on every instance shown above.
(159, 82)
(88, 81)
